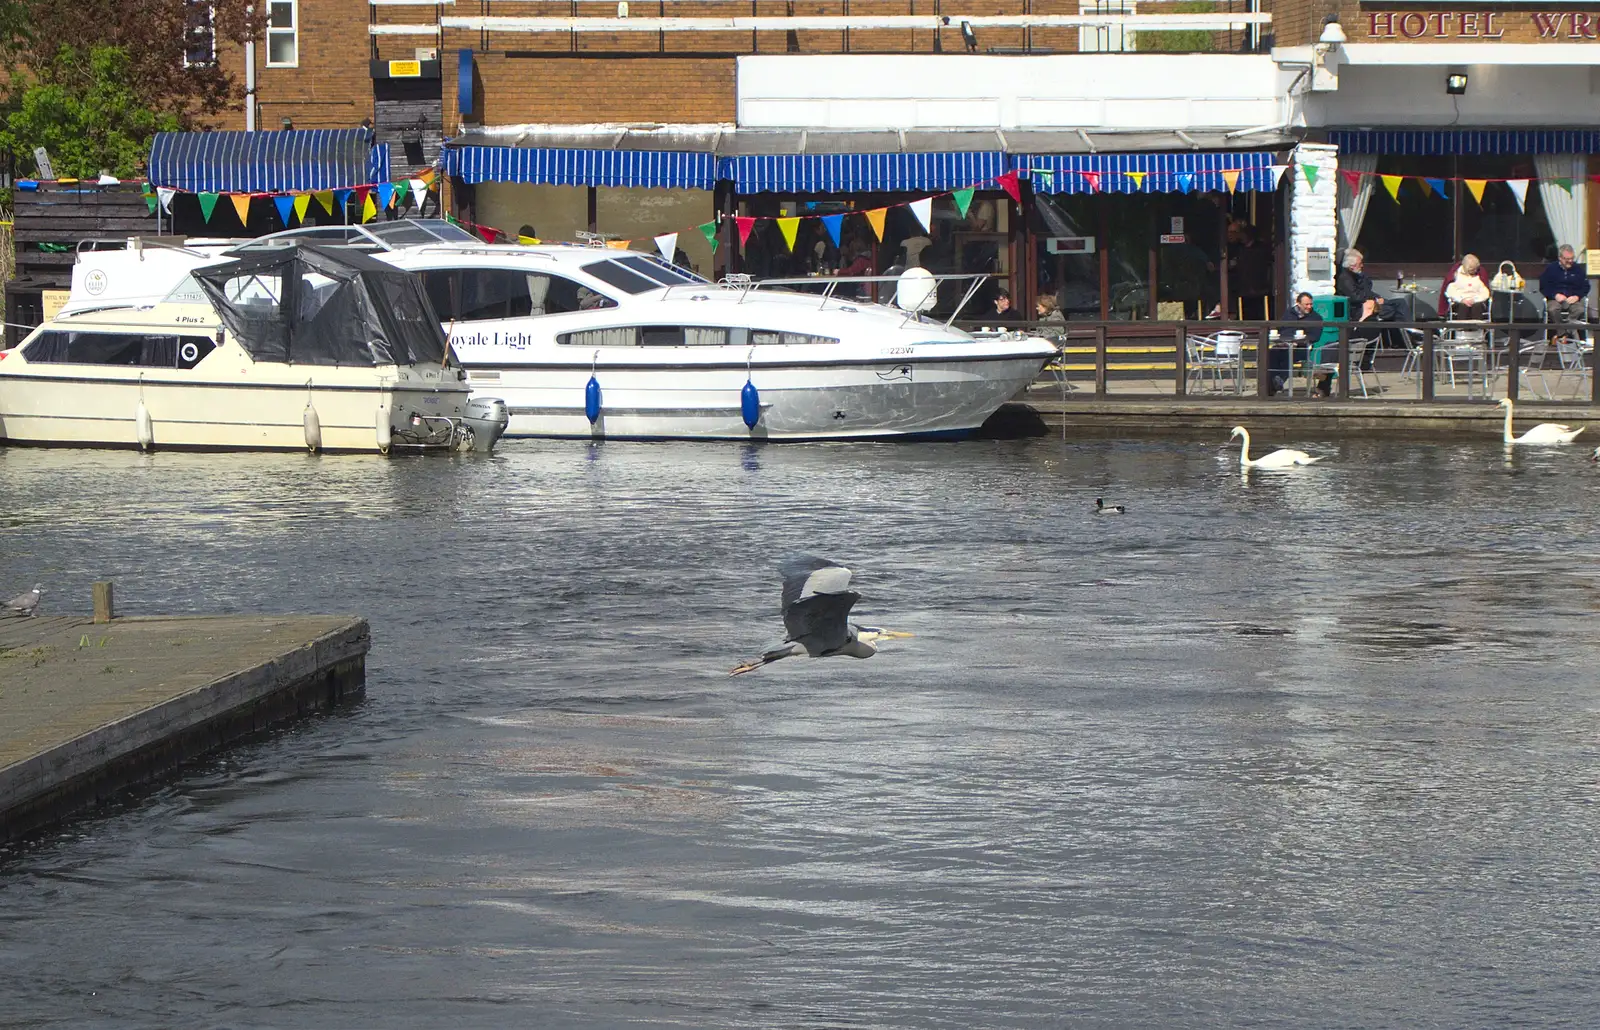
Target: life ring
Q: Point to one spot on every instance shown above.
(188, 352)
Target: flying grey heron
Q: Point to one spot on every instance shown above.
(816, 607)
(25, 603)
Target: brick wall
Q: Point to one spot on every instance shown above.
(331, 87)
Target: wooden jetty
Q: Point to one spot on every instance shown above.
(89, 707)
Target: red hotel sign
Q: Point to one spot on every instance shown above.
(1479, 24)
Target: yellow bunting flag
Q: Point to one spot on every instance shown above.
(789, 226)
(241, 204)
(1475, 187)
(325, 198)
(1427, 191)
(875, 219)
(1231, 177)
(368, 209)
(1138, 179)
(1392, 184)
(302, 201)
(527, 241)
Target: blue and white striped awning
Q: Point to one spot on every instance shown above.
(293, 160)
(1465, 141)
(861, 173)
(668, 169)
(1177, 172)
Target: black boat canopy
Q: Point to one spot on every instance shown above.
(310, 305)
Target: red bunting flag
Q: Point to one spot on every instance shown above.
(488, 233)
(1009, 183)
(1353, 179)
(744, 226)
(1091, 180)
(361, 196)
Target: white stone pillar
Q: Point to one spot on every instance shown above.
(1313, 216)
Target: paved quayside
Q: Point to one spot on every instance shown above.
(90, 708)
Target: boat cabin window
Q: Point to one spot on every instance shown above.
(484, 294)
(627, 336)
(145, 350)
(650, 336)
(618, 274)
(654, 268)
(774, 338)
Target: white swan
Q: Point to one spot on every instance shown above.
(1543, 434)
(1279, 459)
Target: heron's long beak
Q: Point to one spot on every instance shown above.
(892, 634)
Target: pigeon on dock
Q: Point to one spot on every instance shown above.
(25, 603)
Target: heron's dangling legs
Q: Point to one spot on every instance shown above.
(769, 657)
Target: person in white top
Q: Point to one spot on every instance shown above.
(1467, 293)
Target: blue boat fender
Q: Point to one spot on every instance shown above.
(591, 400)
(750, 404)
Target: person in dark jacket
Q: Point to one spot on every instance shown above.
(1565, 285)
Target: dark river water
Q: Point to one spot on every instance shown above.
(1317, 749)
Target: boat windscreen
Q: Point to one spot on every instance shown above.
(406, 232)
(660, 271)
(615, 273)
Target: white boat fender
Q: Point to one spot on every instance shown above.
(313, 425)
(144, 426)
(385, 432)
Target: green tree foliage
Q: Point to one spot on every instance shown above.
(85, 109)
(1181, 41)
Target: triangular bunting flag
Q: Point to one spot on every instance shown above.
(385, 195)
(369, 209)
(1047, 180)
(1277, 174)
(325, 198)
(489, 233)
(402, 190)
(667, 244)
(361, 195)
(963, 199)
(1310, 172)
(1091, 180)
(613, 244)
(835, 226)
(285, 206)
(1230, 176)
(1392, 184)
(1009, 183)
(1185, 182)
(241, 205)
(789, 226)
(744, 225)
(208, 204)
(875, 219)
(923, 209)
(1437, 186)
(1565, 184)
(150, 202)
(1427, 186)
(1519, 189)
(1475, 187)
(165, 193)
(1138, 179)
(425, 176)
(302, 201)
(341, 200)
(1351, 179)
(709, 231)
(419, 189)
(527, 241)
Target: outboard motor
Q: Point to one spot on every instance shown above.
(487, 417)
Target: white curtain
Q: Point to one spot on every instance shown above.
(1563, 210)
(1353, 200)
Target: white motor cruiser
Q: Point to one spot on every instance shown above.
(295, 347)
(596, 342)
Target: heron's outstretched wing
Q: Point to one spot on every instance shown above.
(807, 575)
(820, 622)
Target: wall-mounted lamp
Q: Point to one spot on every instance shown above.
(1455, 84)
(288, 123)
(969, 37)
(1332, 33)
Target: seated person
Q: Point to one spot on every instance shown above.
(1049, 311)
(1450, 277)
(1002, 305)
(1565, 285)
(1466, 290)
(1365, 304)
(1280, 358)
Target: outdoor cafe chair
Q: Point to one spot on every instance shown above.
(1216, 353)
(1358, 356)
(1572, 354)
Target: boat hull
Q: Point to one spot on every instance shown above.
(52, 409)
(927, 398)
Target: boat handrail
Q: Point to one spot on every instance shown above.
(747, 285)
(138, 244)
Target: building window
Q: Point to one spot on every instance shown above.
(283, 33)
(199, 34)
(1103, 38)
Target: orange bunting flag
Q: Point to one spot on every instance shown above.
(241, 204)
(1138, 179)
(1231, 177)
(1475, 187)
(875, 218)
(619, 244)
(368, 208)
(302, 201)
(1392, 184)
(1427, 191)
(789, 226)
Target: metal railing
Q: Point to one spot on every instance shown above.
(1126, 358)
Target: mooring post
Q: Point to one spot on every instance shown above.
(1100, 360)
(104, 610)
(1344, 360)
(1425, 365)
(1513, 362)
(1180, 359)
